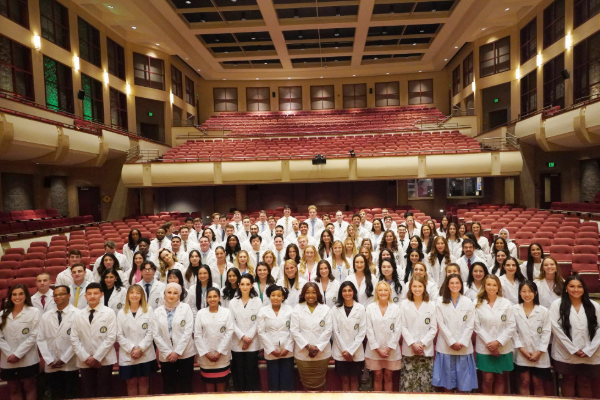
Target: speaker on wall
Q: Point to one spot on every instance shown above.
(565, 74)
(273, 94)
(370, 90)
(81, 95)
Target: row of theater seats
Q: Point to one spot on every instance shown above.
(369, 120)
(39, 227)
(306, 147)
(28, 215)
(581, 208)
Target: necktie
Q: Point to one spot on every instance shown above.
(223, 235)
(296, 234)
(198, 236)
(92, 311)
(59, 313)
(160, 244)
(278, 257)
(237, 227)
(469, 263)
(44, 301)
(340, 224)
(286, 223)
(77, 296)
(262, 229)
(147, 291)
(203, 258)
(247, 234)
(257, 258)
(312, 222)
(271, 234)
(185, 246)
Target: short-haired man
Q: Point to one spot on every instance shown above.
(229, 230)
(207, 256)
(269, 233)
(340, 224)
(286, 221)
(302, 231)
(278, 249)
(160, 242)
(65, 278)
(255, 251)
(403, 239)
(187, 244)
(237, 222)
(247, 245)
(197, 231)
(314, 223)
(360, 231)
(262, 222)
(366, 225)
(468, 258)
(169, 228)
(215, 226)
(302, 244)
(54, 343)
(78, 286)
(331, 228)
(43, 299)
(222, 224)
(144, 248)
(111, 248)
(244, 234)
(189, 222)
(93, 337)
(182, 255)
(385, 213)
(153, 288)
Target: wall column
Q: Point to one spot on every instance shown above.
(528, 177)
(509, 190)
(240, 197)
(147, 200)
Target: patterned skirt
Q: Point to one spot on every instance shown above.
(417, 373)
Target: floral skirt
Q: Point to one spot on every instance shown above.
(417, 373)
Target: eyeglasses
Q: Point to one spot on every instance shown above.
(147, 269)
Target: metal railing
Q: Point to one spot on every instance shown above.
(460, 112)
(132, 154)
(137, 155)
(499, 144)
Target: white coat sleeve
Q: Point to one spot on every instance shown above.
(371, 333)
(31, 339)
(406, 335)
(444, 331)
(337, 335)
(164, 348)
(593, 346)
(146, 342)
(546, 334)
(198, 339)
(186, 335)
(467, 333)
(360, 335)
(395, 339)
(517, 342)
(323, 339)
(511, 327)
(431, 332)
(43, 345)
(557, 329)
(301, 342)
(225, 343)
(111, 338)
(480, 331)
(82, 354)
(124, 343)
(262, 334)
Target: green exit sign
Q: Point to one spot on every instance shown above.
(496, 100)
(150, 114)
(551, 165)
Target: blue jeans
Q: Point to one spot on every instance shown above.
(281, 374)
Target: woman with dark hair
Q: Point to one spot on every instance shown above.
(531, 268)
(245, 345)
(575, 339)
(20, 362)
(210, 235)
(444, 225)
(511, 279)
(454, 365)
(474, 284)
(389, 274)
(412, 256)
(135, 273)
(292, 252)
(108, 261)
(233, 248)
(550, 282)
(376, 233)
(499, 244)
(531, 339)
(438, 258)
(273, 326)
(191, 272)
(220, 267)
(349, 330)
(263, 281)
(498, 261)
(325, 244)
(454, 240)
(113, 289)
(362, 279)
(175, 276)
(231, 286)
(477, 231)
(427, 236)
(311, 327)
(198, 292)
(390, 242)
(131, 246)
(512, 248)
(328, 285)
(462, 230)
(213, 331)
(167, 260)
(386, 253)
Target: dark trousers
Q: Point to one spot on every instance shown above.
(63, 384)
(281, 374)
(95, 382)
(245, 375)
(177, 376)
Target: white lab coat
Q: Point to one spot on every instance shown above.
(96, 339)
(311, 328)
(485, 244)
(546, 295)
(362, 289)
(456, 324)
(294, 294)
(349, 332)
(464, 265)
(155, 246)
(213, 332)
(121, 258)
(383, 331)
(340, 228)
(36, 300)
(117, 300)
(81, 301)
(65, 278)
(432, 290)
(157, 293)
(181, 340)
(19, 337)
(225, 302)
(340, 272)
(128, 253)
(376, 239)
(418, 326)
(190, 245)
(191, 298)
(244, 323)
(177, 265)
(274, 330)
(455, 248)
(397, 298)
(310, 274)
(472, 292)
(54, 340)
(330, 296)
(183, 257)
(216, 274)
(495, 323)
(135, 332)
(563, 348)
(313, 232)
(437, 271)
(262, 290)
(537, 267)
(510, 291)
(533, 334)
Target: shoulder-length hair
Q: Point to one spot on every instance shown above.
(389, 288)
(270, 280)
(471, 278)
(330, 276)
(232, 252)
(274, 260)
(373, 225)
(445, 290)
(435, 253)
(558, 280)
(132, 243)
(179, 276)
(530, 260)
(533, 287)
(118, 281)
(383, 244)
(192, 271)
(497, 266)
(493, 251)
(343, 255)
(143, 302)
(457, 239)
(302, 267)
(322, 244)
(305, 288)
(395, 277)
(409, 265)
(367, 272)
(249, 265)
(286, 281)
(238, 292)
(102, 268)
(228, 290)
(134, 268)
(199, 286)
(163, 265)
(354, 250)
(565, 309)
(9, 306)
(340, 300)
(421, 280)
(287, 253)
(482, 295)
(518, 274)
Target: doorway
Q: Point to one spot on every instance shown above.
(549, 189)
(498, 118)
(89, 201)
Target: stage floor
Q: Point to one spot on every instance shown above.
(326, 396)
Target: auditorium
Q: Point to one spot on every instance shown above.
(227, 196)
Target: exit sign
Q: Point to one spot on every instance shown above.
(551, 165)
(150, 114)
(496, 100)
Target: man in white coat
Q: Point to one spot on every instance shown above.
(43, 299)
(54, 343)
(340, 225)
(160, 242)
(268, 234)
(93, 337)
(153, 288)
(314, 223)
(207, 256)
(187, 244)
(78, 286)
(286, 221)
(182, 256)
(468, 259)
(111, 248)
(65, 278)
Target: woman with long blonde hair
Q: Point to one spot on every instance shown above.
(270, 259)
(167, 261)
(292, 281)
(243, 263)
(350, 249)
(339, 263)
(308, 263)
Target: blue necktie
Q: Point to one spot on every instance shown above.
(312, 221)
(262, 229)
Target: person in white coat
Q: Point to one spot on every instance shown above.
(512, 247)
(111, 248)
(419, 328)
(502, 244)
(93, 336)
(263, 281)
(273, 326)
(363, 280)
(531, 340)
(468, 258)
(134, 274)
(113, 289)
(328, 285)
(137, 358)
(550, 283)
(388, 272)
(511, 278)
(454, 241)
(167, 261)
(437, 260)
(219, 267)
(420, 269)
(454, 365)
(477, 230)
(495, 327)
(213, 330)
(172, 331)
(474, 283)
(383, 354)
(531, 268)
(196, 297)
(245, 344)
(19, 363)
(311, 328)
(292, 282)
(575, 339)
(108, 261)
(339, 263)
(230, 289)
(42, 299)
(54, 344)
(349, 330)
(308, 264)
(153, 288)
(131, 247)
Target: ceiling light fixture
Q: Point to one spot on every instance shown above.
(253, 38)
(336, 32)
(243, 15)
(338, 12)
(133, 27)
(376, 58)
(387, 73)
(420, 71)
(158, 44)
(483, 29)
(434, 10)
(422, 31)
(265, 63)
(289, 77)
(111, 7)
(456, 47)
(256, 78)
(353, 75)
(414, 44)
(199, 70)
(507, 9)
(188, 2)
(217, 40)
(391, 8)
(296, 13)
(224, 79)
(321, 77)
(445, 59)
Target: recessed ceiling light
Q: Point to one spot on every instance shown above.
(353, 75)
(336, 47)
(337, 32)
(224, 79)
(434, 10)
(422, 31)
(376, 58)
(187, 58)
(226, 52)
(483, 29)
(321, 77)
(414, 44)
(507, 9)
(289, 77)
(253, 38)
(387, 73)
(384, 33)
(216, 40)
(199, 70)
(111, 7)
(158, 44)
(256, 78)
(188, 2)
(133, 27)
(445, 59)
(420, 71)
(456, 47)
(233, 1)
(265, 63)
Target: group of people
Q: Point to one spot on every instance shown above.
(372, 296)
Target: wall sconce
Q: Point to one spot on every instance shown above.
(518, 73)
(128, 89)
(37, 42)
(76, 63)
(171, 98)
(568, 41)
(539, 60)
(473, 87)
(106, 78)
